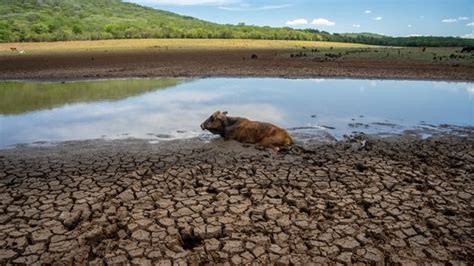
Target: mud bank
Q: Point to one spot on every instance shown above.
(218, 63)
(365, 199)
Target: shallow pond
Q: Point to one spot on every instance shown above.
(160, 109)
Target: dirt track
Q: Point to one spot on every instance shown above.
(390, 201)
(272, 63)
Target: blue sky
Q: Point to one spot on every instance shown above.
(389, 17)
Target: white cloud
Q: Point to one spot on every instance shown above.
(470, 91)
(274, 7)
(323, 22)
(231, 8)
(186, 2)
(449, 20)
(470, 24)
(356, 25)
(368, 11)
(409, 25)
(378, 18)
(468, 36)
(300, 21)
(247, 7)
(452, 20)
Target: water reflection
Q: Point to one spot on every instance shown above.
(304, 106)
(20, 97)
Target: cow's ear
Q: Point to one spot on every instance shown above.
(225, 113)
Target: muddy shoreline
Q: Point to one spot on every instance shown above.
(364, 199)
(218, 63)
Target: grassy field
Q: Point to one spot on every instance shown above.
(141, 44)
(303, 49)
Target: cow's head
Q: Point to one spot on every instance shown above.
(215, 123)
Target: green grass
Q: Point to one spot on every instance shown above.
(163, 44)
(21, 97)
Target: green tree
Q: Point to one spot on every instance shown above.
(76, 29)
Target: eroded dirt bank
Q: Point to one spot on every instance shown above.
(392, 201)
(199, 63)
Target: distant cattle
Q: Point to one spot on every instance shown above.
(467, 49)
(14, 49)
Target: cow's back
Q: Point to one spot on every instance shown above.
(255, 132)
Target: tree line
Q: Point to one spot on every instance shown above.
(65, 20)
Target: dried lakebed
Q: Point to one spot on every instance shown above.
(365, 199)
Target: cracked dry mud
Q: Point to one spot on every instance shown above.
(392, 201)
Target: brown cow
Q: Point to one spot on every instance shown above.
(247, 131)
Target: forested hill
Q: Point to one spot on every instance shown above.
(63, 20)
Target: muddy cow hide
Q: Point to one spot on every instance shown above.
(247, 131)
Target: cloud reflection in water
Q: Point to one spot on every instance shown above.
(288, 103)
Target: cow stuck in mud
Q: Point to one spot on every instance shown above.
(247, 131)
